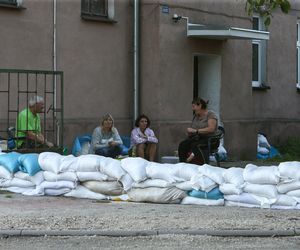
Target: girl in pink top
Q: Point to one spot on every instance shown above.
(143, 139)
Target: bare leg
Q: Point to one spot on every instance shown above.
(140, 150)
(151, 151)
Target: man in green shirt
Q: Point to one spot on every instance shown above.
(29, 125)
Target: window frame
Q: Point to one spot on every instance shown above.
(11, 4)
(106, 16)
(261, 64)
(298, 56)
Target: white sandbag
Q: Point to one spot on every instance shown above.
(262, 141)
(37, 179)
(136, 167)
(85, 193)
(68, 163)
(186, 171)
(156, 195)
(152, 183)
(268, 191)
(239, 204)
(16, 182)
(56, 192)
(295, 193)
(290, 169)
(57, 184)
(286, 187)
(234, 175)
(185, 185)
(283, 207)
(50, 161)
(214, 173)
(5, 174)
(34, 192)
(112, 168)
(19, 190)
(285, 200)
(229, 188)
(126, 182)
(247, 198)
(104, 187)
(89, 163)
(91, 176)
(163, 171)
(261, 175)
(263, 150)
(203, 202)
(202, 182)
(66, 176)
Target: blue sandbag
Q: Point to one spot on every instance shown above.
(29, 163)
(77, 145)
(10, 161)
(214, 194)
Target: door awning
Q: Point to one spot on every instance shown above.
(224, 32)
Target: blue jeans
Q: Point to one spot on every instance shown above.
(112, 152)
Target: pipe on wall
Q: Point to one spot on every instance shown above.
(136, 48)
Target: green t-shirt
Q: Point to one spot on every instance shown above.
(27, 122)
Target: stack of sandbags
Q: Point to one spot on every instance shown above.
(233, 181)
(205, 187)
(259, 189)
(263, 146)
(108, 178)
(19, 173)
(153, 182)
(289, 186)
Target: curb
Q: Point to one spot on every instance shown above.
(135, 233)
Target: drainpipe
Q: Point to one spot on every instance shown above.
(136, 60)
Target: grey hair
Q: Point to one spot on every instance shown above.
(35, 99)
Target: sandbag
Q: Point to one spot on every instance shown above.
(16, 182)
(126, 182)
(295, 193)
(202, 182)
(156, 195)
(104, 187)
(10, 161)
(136, 167)
(91, 176)
(19, 190)
(36, 179)
(66, 176)
(229, 188)
(56, 192)
(89, 163)
(214, 173)
(85, 193)
(286, 187)
(5, 174)
(203, 202)
(234, 175)
(152, 183)
(247, 198)
(214, 194)
(268, 191)
(261, 175)
(57, 184)
(111, 167)
(240, 204)
(289, 169)
(29, 163)
(186, 171)
(185, 185)
(50, 161)
(163, 171)
(285, 200)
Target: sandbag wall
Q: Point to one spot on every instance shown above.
(135, 179)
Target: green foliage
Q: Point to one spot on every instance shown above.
(265, 8)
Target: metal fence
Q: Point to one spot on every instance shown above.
(18, 86)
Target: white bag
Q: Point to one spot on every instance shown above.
(57, 184)
(56, 192)
(163, 171)
(203, 202)
(89, 163)
(91, 176)
(126, 181)
(37, 179)
(262, 141)
(186, 171)
(228, 188)
(136, 167)
(286, 187)
(202, 182)
(185, 185)
(285, 200)
(290, 169)
(104, 187)
(234, 175)
(261, 175)
(85, 193)
(66, 176)
(4, 173)
(112, 168)
(50, 161)
(16, 182)
(268, 191)
(214, 173)
(152, 183)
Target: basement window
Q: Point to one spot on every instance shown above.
(11, 3)
(98, 10)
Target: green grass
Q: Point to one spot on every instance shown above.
(290, 151)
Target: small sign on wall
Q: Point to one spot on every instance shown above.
(165, 9)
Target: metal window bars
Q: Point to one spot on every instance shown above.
(17, 86)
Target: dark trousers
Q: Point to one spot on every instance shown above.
(112, 152)
(197, 147)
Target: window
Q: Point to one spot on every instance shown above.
(258, 56)
(102, 10)
(11, 3)
(298, 55)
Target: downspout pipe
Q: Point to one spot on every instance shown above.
(136, 54)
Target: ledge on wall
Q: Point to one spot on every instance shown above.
(262, 87)
(12, 6)
(98, 19)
